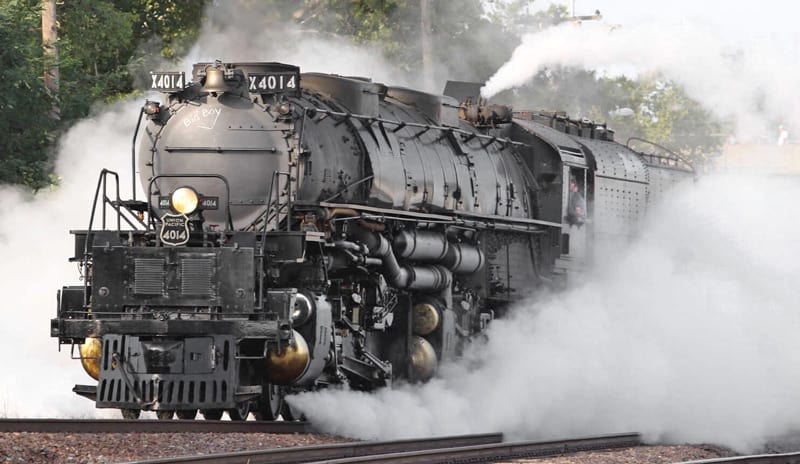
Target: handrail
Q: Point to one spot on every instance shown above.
(672, 156)
(116, 204)
(133, 153)
(229, 219)
(278, 207)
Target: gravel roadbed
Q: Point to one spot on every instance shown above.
(104, 448)
(107, 448)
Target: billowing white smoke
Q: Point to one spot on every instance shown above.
(242, 31)
(751, 83)
(688, 335)
(35, 244)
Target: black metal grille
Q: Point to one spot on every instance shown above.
(148, 276)
(165, 392)
(196, 276)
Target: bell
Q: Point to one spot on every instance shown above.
(215, 81)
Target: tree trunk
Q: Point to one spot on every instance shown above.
(425, 37)
(50, 45)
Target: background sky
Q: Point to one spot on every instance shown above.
(774, 20)
(771, 22)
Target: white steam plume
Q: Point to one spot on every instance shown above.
(690, 335)
(35, 244)
(241, 31)
(751, 83)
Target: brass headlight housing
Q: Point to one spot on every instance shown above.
(184, 200)
(286, 367)
(90, 351)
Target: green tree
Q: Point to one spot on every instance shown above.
(25, 128)
(518, 17)
(96, 42)
(464, 39)
(661, 113)
(98, 39)
(175, 24)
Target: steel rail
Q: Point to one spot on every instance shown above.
(445, 449)
(782, 458)
(492, 452)
(298, 454)
(150, 426)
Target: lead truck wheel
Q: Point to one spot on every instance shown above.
(240, 413)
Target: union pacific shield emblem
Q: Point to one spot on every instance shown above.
(174, 229)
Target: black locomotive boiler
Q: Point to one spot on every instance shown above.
(302, 230)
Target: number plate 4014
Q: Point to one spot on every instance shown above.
(167, 81)
(272, 82)
(174, 229)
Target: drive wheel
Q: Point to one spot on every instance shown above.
(130, 414)
(165, 415)
(240, 412)
(270, 403)
(212, 414)
(186, 414)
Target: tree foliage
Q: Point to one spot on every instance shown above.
(97, 41)
(175, 23)
(25, 128)
(660, 112)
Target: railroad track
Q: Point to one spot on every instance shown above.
(782, 458)
(465, 448)
(150, 426)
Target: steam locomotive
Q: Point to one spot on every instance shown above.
(305, 230)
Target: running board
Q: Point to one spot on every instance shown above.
(87, 391)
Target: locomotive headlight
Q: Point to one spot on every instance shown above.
(184, 200)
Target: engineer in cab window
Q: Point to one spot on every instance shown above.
(576, 207)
